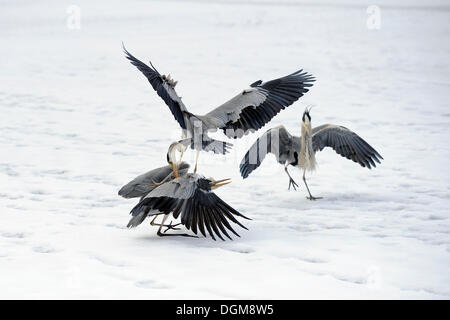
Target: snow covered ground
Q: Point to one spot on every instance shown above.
(78, 121)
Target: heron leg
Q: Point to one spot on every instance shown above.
(170, 226)
(291, 181)
(157, 184)
(196, 160)
(310, 195)
(152, 223)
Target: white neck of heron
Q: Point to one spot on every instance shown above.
(306, 130)
(174, 163)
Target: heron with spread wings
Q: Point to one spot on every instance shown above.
(172, 191)
(247, 112)
(300, 152)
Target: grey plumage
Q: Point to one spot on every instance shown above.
(189, 197)
(144, 183)
(249, 111)
(277, 141)
(344, 141)
(300, 151)
(254, 107)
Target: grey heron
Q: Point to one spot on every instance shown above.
(191, 198)
(300, 151)
(172, 190)
(247, 112)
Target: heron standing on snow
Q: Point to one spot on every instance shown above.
(300, 151)
(248, 111)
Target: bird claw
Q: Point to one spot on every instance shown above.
(172, 227)
(293, 183)
(313, 198)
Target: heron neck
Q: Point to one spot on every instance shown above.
(307, 159)
(306, 133)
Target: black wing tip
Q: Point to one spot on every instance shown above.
(242, 170)
(135, 60)
(246, 169)
(305, 76)
(128, 55)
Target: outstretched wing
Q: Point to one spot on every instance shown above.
(254, 107)
(346, 143)
(192, 201)
(277, 141)
(163, 86)
(143, 184)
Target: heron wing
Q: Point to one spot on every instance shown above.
(206, 210)
(163, 88)
(254, 107)
(346, 143)
(143, 184)
(191, 199)
(277, 141)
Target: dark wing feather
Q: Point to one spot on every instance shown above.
(254, 107)
(214, 214)
(164, 89)
(202, 209)
(346, 143)
(277, 141)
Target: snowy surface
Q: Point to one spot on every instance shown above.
(78, 121)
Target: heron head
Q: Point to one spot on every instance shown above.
(214, 184)
(171, 156)
(306, 118)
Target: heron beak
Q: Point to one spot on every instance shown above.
(178, 163)
(219, 183)
(174, 169)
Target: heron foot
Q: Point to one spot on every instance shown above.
(171, 226)
(293, 184)
(159, 233)
(314, 198)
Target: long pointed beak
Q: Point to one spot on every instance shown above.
(222, 182)
(174, 169)
(175, 172)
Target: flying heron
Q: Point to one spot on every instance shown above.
(249, 111)
(300, 151)
(189, 196)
